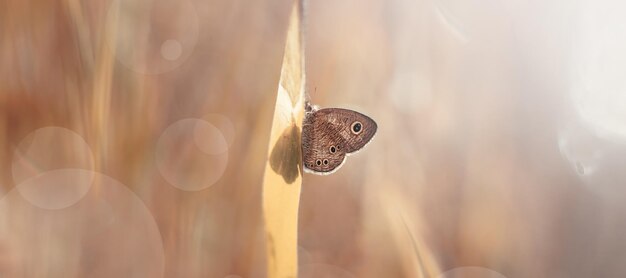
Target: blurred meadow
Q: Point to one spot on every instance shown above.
(134, 136)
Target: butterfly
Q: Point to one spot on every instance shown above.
(329, 135)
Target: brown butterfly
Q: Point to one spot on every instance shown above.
(331, 134)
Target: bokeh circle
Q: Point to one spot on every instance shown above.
(171, 50)
(152, 36)
(52, 167)
(109, 233)
(192, 154)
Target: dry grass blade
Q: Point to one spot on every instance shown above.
(283, 171)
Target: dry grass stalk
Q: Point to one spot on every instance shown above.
(283, 172)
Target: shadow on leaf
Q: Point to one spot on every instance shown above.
(286, 155)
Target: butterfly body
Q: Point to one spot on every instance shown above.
(331, 134)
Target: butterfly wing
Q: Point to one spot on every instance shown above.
(329, 134)
(321, 145)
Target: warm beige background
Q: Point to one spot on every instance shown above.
(501, 136)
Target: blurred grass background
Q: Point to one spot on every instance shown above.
(481, 159)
